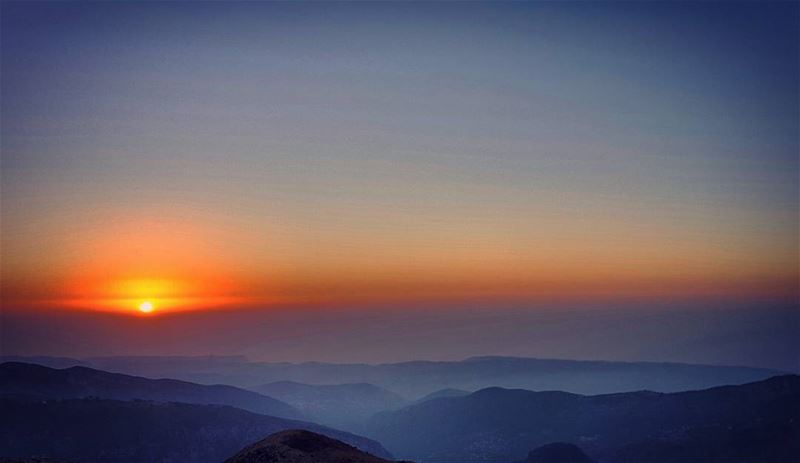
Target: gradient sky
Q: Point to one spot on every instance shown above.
(272, 154)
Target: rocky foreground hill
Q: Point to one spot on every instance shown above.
(301, 446)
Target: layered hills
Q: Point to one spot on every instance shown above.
(758, 421)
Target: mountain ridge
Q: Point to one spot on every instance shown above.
(495, 425)
(81, 381)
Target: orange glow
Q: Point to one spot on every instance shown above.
(167, 295)
(182, 261)
(170, 263)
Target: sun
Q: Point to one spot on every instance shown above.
(146, 307)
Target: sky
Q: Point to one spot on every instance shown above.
(252, 158)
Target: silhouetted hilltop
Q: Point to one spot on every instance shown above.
(501, 425)
(338, 405)
(300, 446)
(557, 452)
(106, 431)
(80, 382)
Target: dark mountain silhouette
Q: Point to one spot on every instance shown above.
(760, 442)
(415, 379)
(79, 382)
(52, 362)
(300, 446)
(557, 452)
(100, 430)
(501, 425)
(340, 405)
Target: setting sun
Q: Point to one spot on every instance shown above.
(146, 307)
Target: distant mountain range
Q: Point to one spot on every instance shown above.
(756, 422)
(80, 382)
(342, 405)
(417, 379)
(300, 446)
(112, 431)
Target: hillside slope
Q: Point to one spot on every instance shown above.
(111, 431)
(79, 382)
